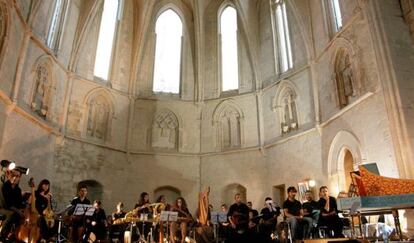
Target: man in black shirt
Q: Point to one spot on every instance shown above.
(329, 213)
(78, 222)
(311, 208)
(13, 201)
(292, 209)
(238, 216)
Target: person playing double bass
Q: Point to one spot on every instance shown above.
(13, 202)
(44, 208)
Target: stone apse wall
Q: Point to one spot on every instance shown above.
(277, 129)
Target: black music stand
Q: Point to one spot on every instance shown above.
(168, 216)
(216, 219)
(60, 238)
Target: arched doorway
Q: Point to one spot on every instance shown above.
(95, 189)
(230, 190)
(345, 154)
(170, 193)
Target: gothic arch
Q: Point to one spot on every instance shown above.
(4, 28)
(344, 61)
(95, 189)
(43, 86)
(99, 111)
(342, 142)
(228, 120)
(230, 190)
(149, 39)
(165, 131)
(286, 103)
(171, 193)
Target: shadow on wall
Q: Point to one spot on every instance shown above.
(230, 190)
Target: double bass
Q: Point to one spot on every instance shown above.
(28, 230)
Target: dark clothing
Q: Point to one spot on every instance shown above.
(268, 226)
(182, 212)
(293, 207)
(12, 196)
(310, 206)
(255, 215)
(332, 221)
(117, 215)
(239, 214)
(41, 202)
(77, 201)
(144, 210)
(99, 229)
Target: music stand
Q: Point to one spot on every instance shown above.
(216, 219)
(60, 237)
(168, 216)
(84, 210)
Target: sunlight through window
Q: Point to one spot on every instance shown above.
(337, 14)
(168, 53)
(228, 31)
(285, 50)
(54, 25)
(106, 39)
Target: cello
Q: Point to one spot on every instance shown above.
(28, 230)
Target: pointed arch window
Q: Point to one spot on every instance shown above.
(283, 36)
(334, 16)
(110, 16)
(56, 25)
(167, 67)
(229, 55)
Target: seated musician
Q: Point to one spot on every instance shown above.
(329, 213)
(293, 211)
(238, 216)
(269, 219)
(119, 213)
(144, 210)
(97, 223)
(78, 225)
(116, 230)
(184, 218)
(253, 220)
(43, 202)
(13, 202)
(311, 208)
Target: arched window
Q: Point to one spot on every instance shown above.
(229, 59)
(106, 38)
(98, 117)
(283, 36)
(333, 11)
(165, 130)
(55, 28)
(169, 31)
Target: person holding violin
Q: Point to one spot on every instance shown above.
(184, 218)
(44, 208)
(238, 216)
(78, 222)
(13, 202)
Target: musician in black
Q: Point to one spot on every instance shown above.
(43, 202)
(144, 211)
(293, 211)
(184, 218)
(119, 213)
(97, 224)
(238, 216)
(329, 213)
(13, 202)
(117, 228)
(269, 219)
(78, 222)
(311, 208)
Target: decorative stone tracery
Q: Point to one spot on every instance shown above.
(228, 120)
(165, 130)
(98, 116)
(285, 104)
(43, 87)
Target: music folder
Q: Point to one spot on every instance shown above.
(169, 216)
(84, 209)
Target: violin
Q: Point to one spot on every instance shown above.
(28, 231)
